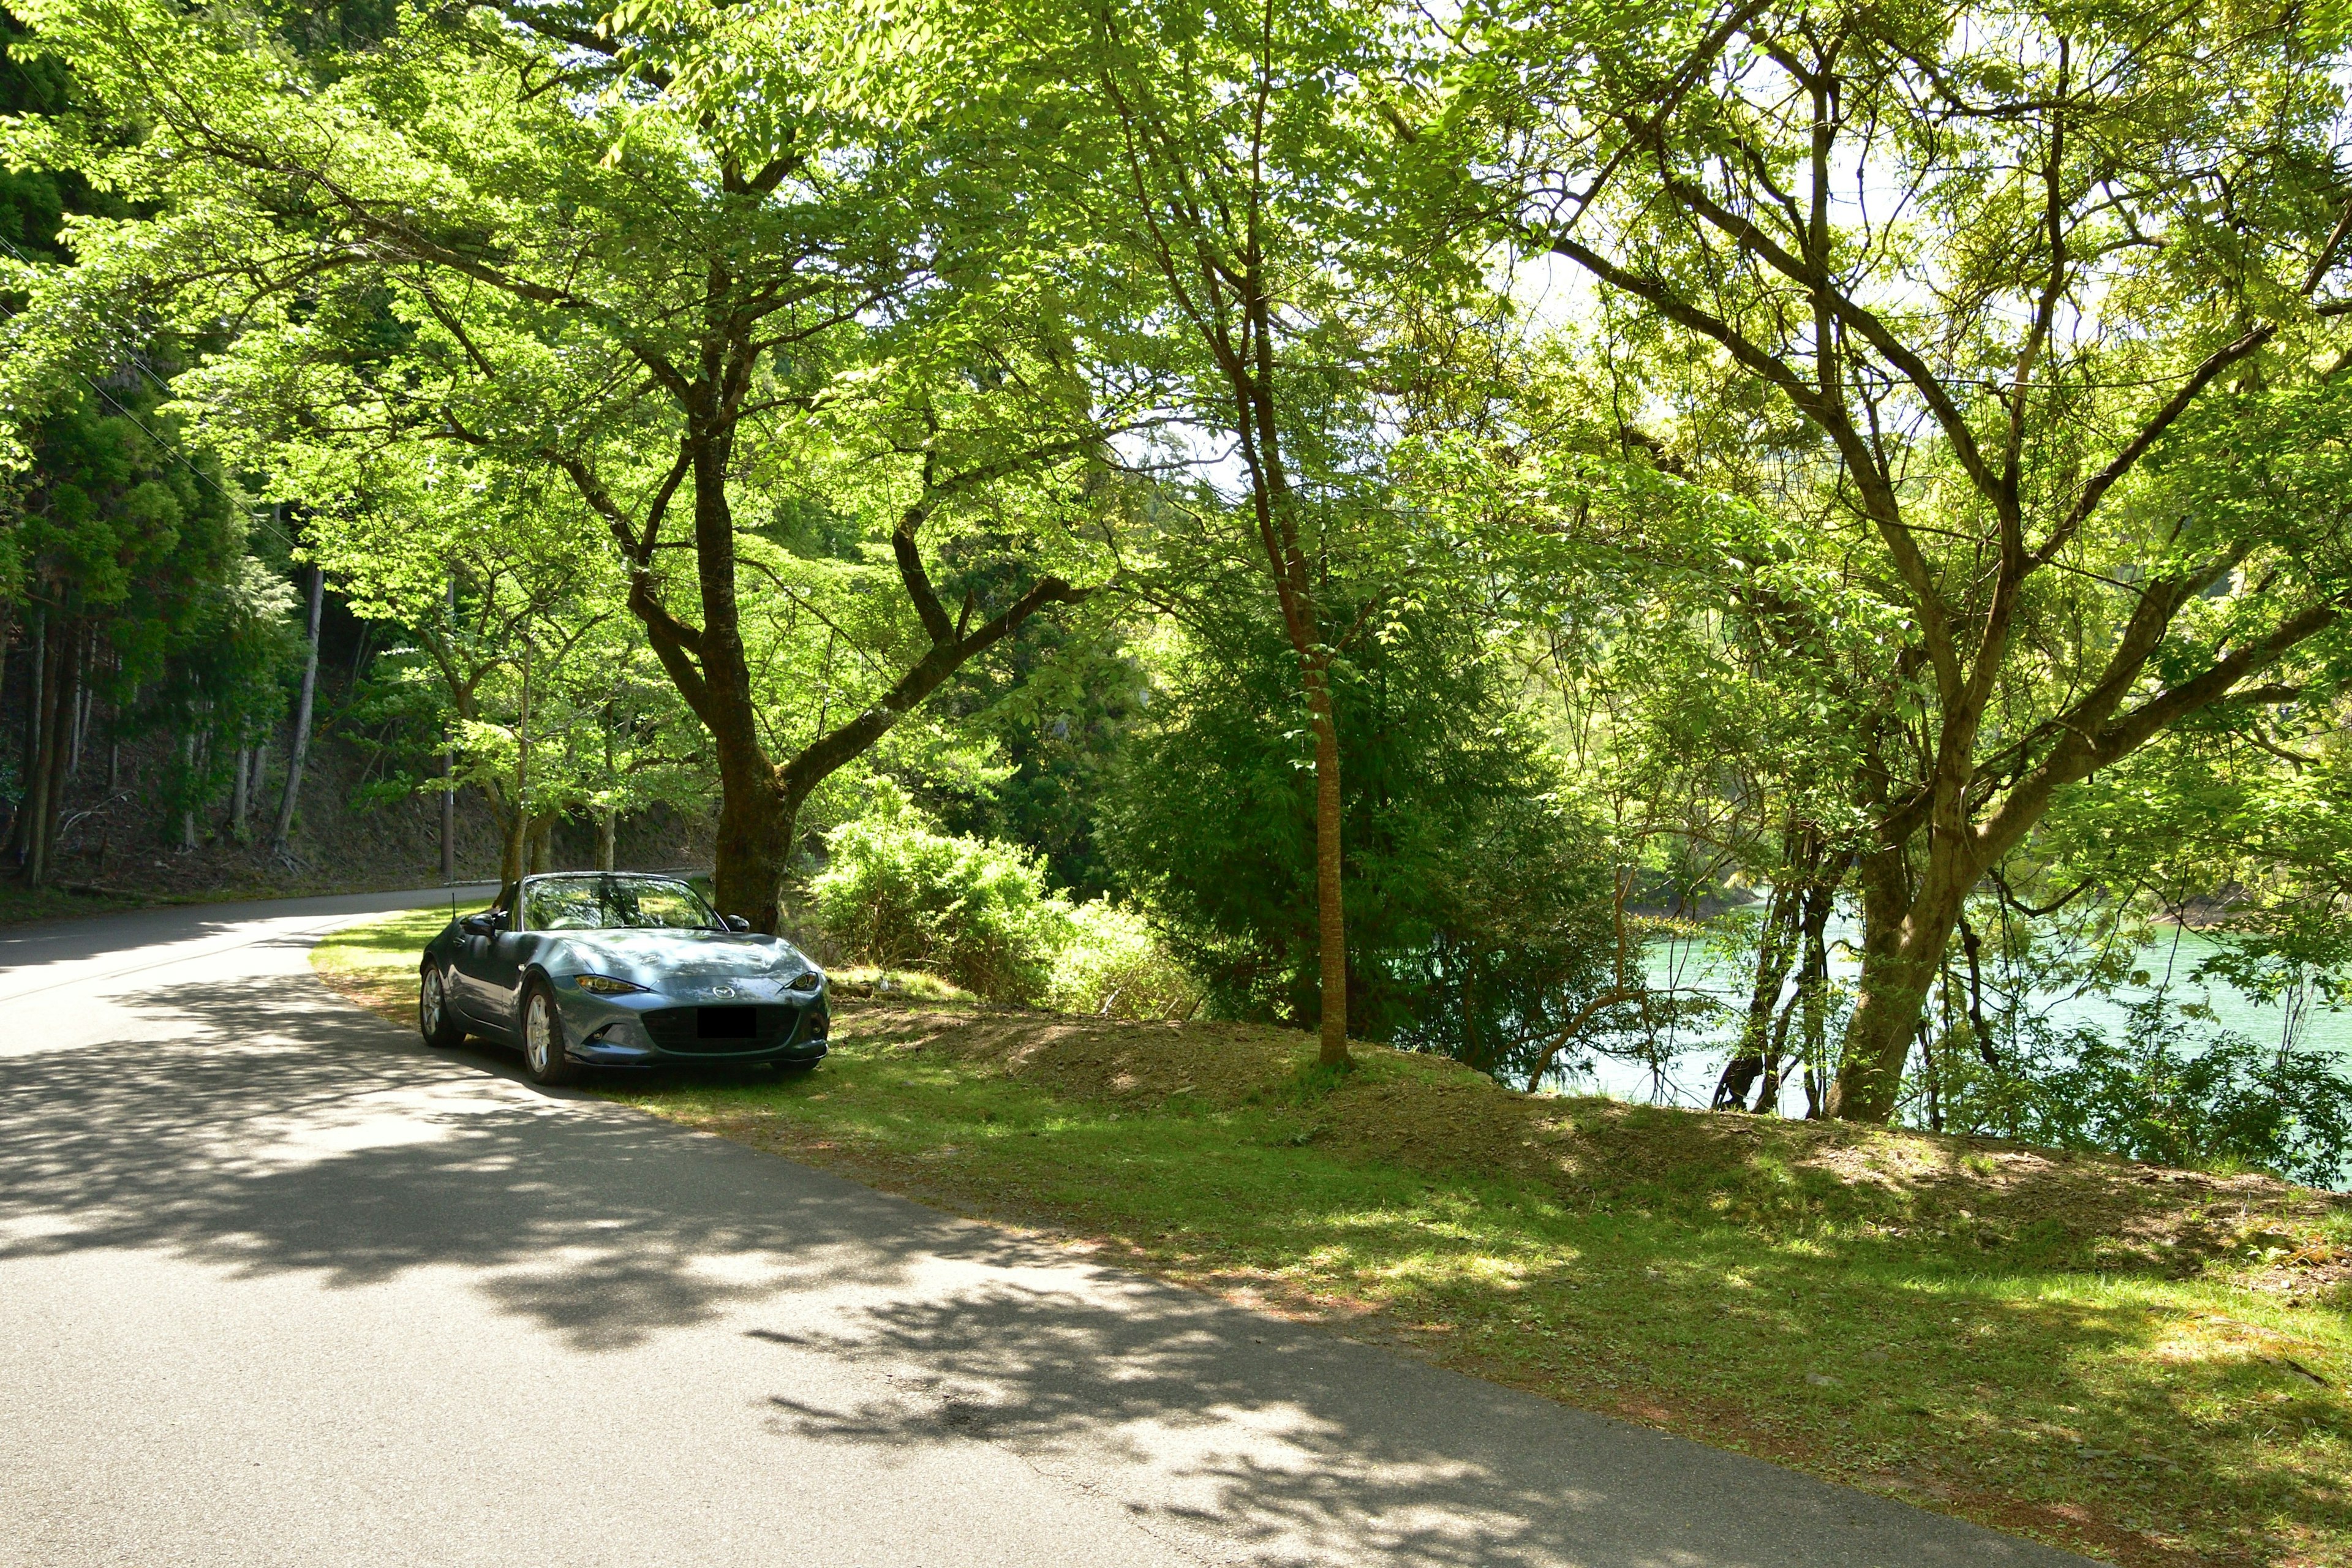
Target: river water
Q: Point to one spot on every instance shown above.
(1690, 1065)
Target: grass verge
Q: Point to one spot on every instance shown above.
(20, 905)
(2146, 1366)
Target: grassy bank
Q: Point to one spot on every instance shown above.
(2146, 1365)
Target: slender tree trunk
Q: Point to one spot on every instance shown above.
(64, 638)
(1934, 1076)
(60, 743)
(81, 701)
(515, 863)
(240, 800)
(114, 706)
(187, 789)
(1775, 948)
(1811, 1004)
(300, 750)
(1329, 892)
(449, 753)
(1768, 1093)
(607, 830)
(543, 836)
(48, 769)
(7, 633)
(20, 832)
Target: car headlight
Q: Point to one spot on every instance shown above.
(807, 980)
(606, 985)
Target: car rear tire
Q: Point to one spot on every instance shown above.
(542, 1037)
(434, 1019)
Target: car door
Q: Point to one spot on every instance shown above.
(502, 969)
(478, 963)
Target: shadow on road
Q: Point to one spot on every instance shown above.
(278, 1128)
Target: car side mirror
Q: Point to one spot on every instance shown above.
(479, 925)
(736, 923)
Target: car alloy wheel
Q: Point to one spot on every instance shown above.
(435, 1018)
(542, 1037)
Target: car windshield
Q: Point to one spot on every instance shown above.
(614, 903)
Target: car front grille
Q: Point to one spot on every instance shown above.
(723, 1031)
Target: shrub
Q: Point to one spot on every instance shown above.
(898, 894)
(1114, 965)
(2204, 1097)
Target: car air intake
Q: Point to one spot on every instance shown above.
(727, 1031)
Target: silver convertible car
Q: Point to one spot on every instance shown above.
(622, 970)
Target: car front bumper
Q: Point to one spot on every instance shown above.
(652, 1028)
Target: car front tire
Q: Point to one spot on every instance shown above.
(542, 1037)
(434, 1019)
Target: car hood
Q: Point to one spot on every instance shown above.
(653, 955)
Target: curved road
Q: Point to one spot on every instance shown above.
(282, 1287)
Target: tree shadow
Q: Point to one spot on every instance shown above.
(1282, 1443)
(276, 1128)
(283, 1129)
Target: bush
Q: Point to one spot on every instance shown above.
(1113, 964)
(2208, 1099)
(897, 895)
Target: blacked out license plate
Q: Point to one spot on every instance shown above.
(726, 1022)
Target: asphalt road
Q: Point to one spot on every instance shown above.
(281, 1285)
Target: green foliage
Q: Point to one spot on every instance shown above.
(1058, 704)
(1479, 901)
(1114, 965)
(897, 895)
(2172, 1090)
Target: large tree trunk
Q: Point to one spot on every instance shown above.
(302, 748)
(1905, 931)
(755, 830)
(513, 845)
(755, 822)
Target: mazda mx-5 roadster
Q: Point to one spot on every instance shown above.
(619, 969)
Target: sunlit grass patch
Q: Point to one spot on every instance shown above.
(374, 962)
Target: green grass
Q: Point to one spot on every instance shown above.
(374, 962)
(19, 904)
(2057, 1348)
